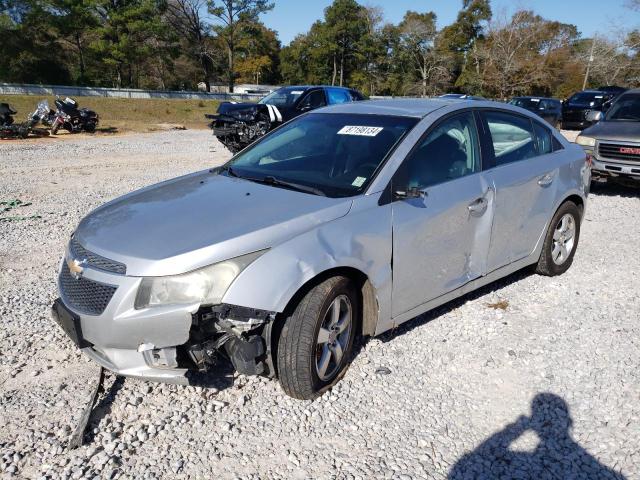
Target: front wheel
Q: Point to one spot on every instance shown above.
(561, 241)
(317, 338)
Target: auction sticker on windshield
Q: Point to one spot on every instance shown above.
(360, 130)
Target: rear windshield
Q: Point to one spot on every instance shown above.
(283, 97)
(336, 154)
(627, 107)
(588, 99)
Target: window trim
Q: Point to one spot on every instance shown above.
(401, 170)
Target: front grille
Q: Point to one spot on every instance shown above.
(94, 260)
(573, 115)
(629, 153)
(84, 295)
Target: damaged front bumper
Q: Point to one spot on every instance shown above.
(164, 344)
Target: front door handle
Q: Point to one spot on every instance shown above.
(478, 207)
(545, 180)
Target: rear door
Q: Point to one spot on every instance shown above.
(441, 240)
(523, 171)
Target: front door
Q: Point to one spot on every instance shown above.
(524, 178)
(440, 240)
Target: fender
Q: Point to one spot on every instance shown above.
(360, 240)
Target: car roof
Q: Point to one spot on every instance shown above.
(407, 107)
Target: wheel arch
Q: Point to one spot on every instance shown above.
(367, 291)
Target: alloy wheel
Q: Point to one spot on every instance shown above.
(333, 337)
(563, 239)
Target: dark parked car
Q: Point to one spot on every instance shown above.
(614, 142)
(578, 106)
(237, 125)
(550, 109)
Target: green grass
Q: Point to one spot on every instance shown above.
(124, 114)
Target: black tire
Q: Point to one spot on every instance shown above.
(546, 264)
(299, 350)
(90, 128)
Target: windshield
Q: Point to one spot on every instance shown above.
(283, 97)
(627, 107)
(589, 99)
(334, 154)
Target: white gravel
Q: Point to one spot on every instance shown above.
(548, 388)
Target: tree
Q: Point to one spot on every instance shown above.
(259, 54)
(185, 17)
(459, 38)
(344, 30)
(130, 33)
(74, 22)
(417, 41)
(233, 15)
(523, 55)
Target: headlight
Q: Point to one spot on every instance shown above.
(586, 141)
(206, 285)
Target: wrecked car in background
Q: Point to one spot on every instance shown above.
(237, 125)
(344, 222)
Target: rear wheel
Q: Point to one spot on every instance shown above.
(317, 338)
(561, 241)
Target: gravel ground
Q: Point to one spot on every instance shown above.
(530, 377)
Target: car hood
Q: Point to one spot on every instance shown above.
(614, 130)
(199, 219)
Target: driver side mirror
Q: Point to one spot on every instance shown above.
(409, 192)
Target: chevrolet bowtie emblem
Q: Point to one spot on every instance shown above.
(76, 267)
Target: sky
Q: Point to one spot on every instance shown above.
(291, 17)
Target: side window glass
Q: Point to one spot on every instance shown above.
(511, 136)
(543, 139)
(337, 95)
(313, 100)
(449, 151)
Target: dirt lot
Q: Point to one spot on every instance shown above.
(538, 377)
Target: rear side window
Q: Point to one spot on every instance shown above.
(337, 95)
(543, 139)
(512, 137)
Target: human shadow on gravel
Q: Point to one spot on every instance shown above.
(612, 189)
(557, 455)
(420, 320)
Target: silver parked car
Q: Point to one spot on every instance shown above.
(614, 142)
(345, 221)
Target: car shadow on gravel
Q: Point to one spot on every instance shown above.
(612, 189)
(420, 320)
(556, 454)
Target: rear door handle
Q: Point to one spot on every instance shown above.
(478, 207)
(545, 180)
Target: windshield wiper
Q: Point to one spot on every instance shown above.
(269, 180)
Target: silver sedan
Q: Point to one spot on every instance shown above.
(346, 221)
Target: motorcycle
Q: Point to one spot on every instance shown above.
(72, 118)
(9, 129)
